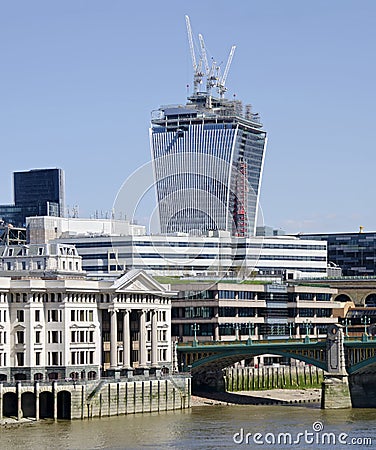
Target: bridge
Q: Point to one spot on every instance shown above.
(349, 363)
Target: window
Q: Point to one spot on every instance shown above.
(37, 315)
(20, 359)
(90, 315)
(23, 264)
(53, 337)
(20, 315)
(37, 337)
(20, 337)
(73, 336)
(91, 336)
(54, 358)
(73, 358)
(40, 251)
(53, 315)
(82, 336)
(37, 358)
(72, 315)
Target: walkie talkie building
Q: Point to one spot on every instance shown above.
(207, 158)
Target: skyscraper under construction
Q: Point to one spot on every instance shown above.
(207, 157)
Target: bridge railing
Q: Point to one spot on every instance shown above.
(253, 342)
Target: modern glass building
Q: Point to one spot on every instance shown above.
(38, 192)
(207, 158)
(355, 253)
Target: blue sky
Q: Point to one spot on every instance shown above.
(79, 80)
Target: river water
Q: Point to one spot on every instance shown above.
(202, 427)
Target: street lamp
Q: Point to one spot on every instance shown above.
(307, 325)
(347, 322)
(195, 328)
(236, 327)
(251, 327)
(291, 327)
(365, 321)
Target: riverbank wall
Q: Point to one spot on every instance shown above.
(100, 398)
(269, 377)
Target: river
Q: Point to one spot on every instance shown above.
(202, 427)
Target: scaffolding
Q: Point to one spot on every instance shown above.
(240, 210)
(10, 235)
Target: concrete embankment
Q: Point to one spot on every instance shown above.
(23, 401)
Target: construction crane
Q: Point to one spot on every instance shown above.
(197, 70)
(222, 80)
(210, 72)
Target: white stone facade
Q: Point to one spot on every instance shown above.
(77, 328)
(39, 259)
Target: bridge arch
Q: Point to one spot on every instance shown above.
(370, 300)
(343, 298)
(28, 404)
(46, 405)
(360, 366)
(64, 405)
(10, 404)
(220, 361)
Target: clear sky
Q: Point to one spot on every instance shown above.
(79, 80)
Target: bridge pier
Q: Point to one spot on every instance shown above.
(335, 392)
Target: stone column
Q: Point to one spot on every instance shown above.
(154, 338)
(54, 392)
(36, 392)
(216, 332)
(113, 340)
(126, 341)
(19, 403)
(142, 359)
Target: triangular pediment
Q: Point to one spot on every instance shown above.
(140, 282)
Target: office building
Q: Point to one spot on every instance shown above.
(38, 192)
(354, 253)
(223, 310)
(208, 157)
(218, 255)
(66, 326)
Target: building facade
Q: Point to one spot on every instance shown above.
(354, 253)
(71, 327)
(38, 192)
(208, 158)
(226, 311)
(216, 254)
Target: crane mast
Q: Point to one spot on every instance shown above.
(211, 73)
(221, 84)
(197, 73)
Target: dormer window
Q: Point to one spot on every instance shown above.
(40, 251)
(10, 252)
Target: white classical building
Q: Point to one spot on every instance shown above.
(69, 326)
